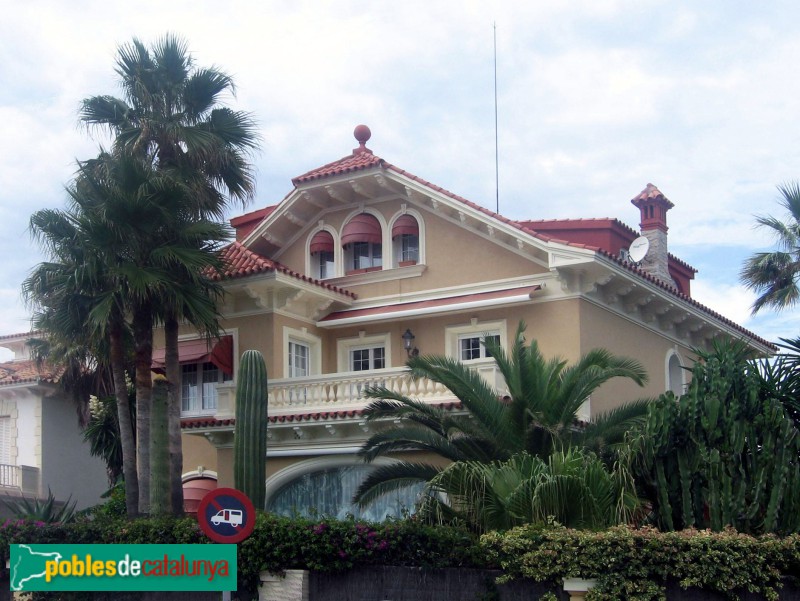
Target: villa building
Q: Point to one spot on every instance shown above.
(41, 444)
(363, 263)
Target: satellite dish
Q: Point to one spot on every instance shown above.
(638, 249)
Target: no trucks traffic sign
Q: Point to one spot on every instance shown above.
(226, 515)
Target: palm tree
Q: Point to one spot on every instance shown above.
(573, 487)
(774, 275)
(537, 417)
(65, 293)
(162, 249)
(171, 117)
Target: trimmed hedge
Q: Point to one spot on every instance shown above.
(628, 563)
(277, 543)
(635, 564)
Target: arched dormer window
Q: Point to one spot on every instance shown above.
(405, 241)
(361, 240)
(322, 259)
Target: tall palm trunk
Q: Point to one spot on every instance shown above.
(143, 344)
(173, 372)
(127, 439)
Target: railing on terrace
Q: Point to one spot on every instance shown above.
(9, 476)
(331, 392)
(24, 478)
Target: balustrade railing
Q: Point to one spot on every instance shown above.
(9, 476)
(345, 390)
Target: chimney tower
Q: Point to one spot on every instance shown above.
(653, 207)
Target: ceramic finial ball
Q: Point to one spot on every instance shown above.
(362, 134)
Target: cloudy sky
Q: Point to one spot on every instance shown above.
(596, 99)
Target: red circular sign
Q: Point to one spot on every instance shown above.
(226, 515)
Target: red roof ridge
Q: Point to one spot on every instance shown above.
(357, 161)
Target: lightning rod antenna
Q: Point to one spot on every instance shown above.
(496, 151)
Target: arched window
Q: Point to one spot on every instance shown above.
(321, 249)
(675, 374)
(328, 491)
(405, 241)
(361, 239)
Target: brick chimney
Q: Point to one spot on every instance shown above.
(653, 207)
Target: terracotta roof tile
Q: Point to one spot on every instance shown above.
(241, 262)
(362, 158)
(27, 371)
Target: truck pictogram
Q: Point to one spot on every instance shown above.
(228, 516)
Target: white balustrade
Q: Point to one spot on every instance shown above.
(345, 390)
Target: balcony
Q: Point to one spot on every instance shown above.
(343, 391)
(23, 478)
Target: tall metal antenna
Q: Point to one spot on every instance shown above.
(496, 152)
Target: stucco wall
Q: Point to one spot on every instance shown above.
(67, 466)
(454, 255)
(601, 328)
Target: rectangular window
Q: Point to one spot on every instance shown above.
(210, 381)
(366, 358)
(470, 347)
(199, 387)
(325, 265)
(409, 247)
(366, 254)
(189, 388)
(298, 360)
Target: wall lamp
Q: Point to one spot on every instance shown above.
(408, 344)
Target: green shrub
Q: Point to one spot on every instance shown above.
(636, 564)
(277, 544)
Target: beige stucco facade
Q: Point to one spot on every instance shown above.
(474, 273)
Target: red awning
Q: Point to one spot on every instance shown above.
(362, 228)
(405, 224)
(220, 353)
(322, 242)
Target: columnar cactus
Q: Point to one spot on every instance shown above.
(250, 440)
(723, 454)
(159, 449)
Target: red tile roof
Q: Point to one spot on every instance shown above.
(244, 224)
(241, 262)
(27, 371)
(362, 158)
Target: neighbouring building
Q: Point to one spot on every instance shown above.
(41, 444)
(363, 263)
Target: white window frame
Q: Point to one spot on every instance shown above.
(202, 397)
(374, 261)
(370, 348)
(294, 358)
(397, 250)
(345, 347)
(313, 260)
(314, 344)
(668, 385)
(475, 329)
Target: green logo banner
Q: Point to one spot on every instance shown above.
(123, 567)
